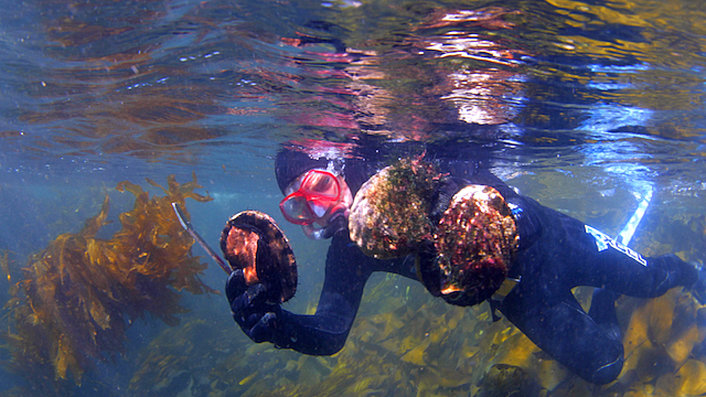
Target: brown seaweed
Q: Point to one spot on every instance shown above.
(81, 293)
(426, 347)
(405, 342)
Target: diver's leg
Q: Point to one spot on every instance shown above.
(616, 271)
(563, 330)
(602, 311)
(592, 258)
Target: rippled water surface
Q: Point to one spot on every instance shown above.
(584, 106)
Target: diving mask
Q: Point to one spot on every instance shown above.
(315, 200)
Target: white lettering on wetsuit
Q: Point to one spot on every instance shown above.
(603, 242)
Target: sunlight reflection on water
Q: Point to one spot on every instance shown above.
(581, 105)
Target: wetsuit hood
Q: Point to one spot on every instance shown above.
(290, 164)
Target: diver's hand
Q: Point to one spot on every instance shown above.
(256, 317)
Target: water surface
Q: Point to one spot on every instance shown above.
(582, 105)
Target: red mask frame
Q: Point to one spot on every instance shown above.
(316, 195)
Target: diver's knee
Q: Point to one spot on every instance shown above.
(608, 372)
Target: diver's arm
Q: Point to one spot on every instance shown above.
(323, 333)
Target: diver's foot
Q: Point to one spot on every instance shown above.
(698, 289)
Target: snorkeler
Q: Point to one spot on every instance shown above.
(449, 223)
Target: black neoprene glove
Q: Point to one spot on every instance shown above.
(257, 318)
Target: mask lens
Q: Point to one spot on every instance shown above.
(318, 208)
(321, 183)
(295, 208)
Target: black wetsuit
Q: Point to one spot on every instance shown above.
(556, 253)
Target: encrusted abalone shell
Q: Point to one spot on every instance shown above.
(475, 241)
(252, 241)
(389, 215)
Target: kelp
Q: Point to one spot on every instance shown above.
(5, 264)
(6, 271)
(426, 347)
(176, 358)
(80, 294)
(405, 342)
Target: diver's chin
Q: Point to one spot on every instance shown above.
(337, 222)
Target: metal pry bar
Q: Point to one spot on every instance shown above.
(187, 226)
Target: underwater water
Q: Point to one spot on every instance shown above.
(112, 110)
